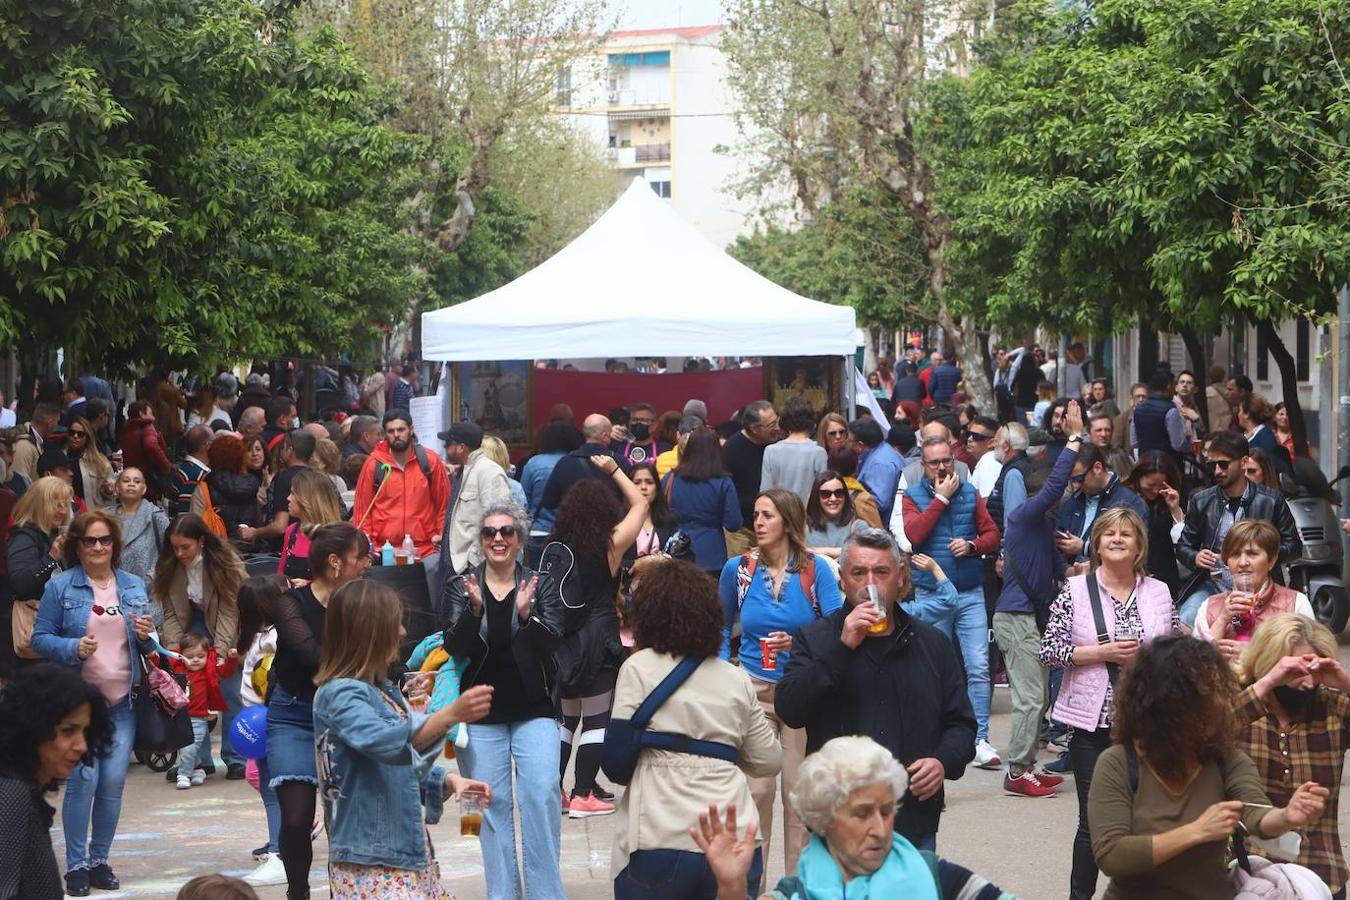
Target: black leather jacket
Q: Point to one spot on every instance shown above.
(1201, 530)
(533, 641)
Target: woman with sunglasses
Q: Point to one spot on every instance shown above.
(830, 517)
(92, 471)
(508, 632)
(98, 618)
(832, 434)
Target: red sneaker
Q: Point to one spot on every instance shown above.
(1026, 785)
(1049, 779)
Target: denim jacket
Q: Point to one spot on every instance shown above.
(372, 780)
(63, 616)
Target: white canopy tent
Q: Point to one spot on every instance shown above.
(639, 282)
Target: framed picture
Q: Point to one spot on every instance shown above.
(812, 377)
(496, 396)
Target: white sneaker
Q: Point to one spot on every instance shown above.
(270, 872)
(986, 757)
(198, 777)
(184, 782)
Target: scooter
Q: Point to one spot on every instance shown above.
(1318, 572)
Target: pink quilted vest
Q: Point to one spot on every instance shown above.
(1083, 691)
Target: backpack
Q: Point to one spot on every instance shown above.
(558, 574)
(745, 573)
(422, 463)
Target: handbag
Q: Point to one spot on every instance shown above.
(624, 738)
(21, 621)
(164, 688)
(157, 730)
(210, 515)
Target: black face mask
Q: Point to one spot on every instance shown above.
(1294, 700)
(641, 431)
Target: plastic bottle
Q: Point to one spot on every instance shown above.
(408, 551)
(387, 554)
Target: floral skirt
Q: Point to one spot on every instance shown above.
(354, 882)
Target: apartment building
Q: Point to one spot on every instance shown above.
(657, 101)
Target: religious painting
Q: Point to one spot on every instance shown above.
(812, 377)
(496, 396)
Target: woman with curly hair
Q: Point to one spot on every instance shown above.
(593, 525)
(51, 720)
(677, 615)
(1135, 609)
(1176, 760)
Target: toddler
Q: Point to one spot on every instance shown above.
(204, 672)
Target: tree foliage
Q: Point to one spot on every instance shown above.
(191, 182)
(1174, 163)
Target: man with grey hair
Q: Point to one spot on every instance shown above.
(251, 422)
(848, 672)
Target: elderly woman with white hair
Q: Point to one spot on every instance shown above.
(846, 793)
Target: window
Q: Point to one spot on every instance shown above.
(662, 189)
(1303, 349)
(562, 94)
(1262, 357)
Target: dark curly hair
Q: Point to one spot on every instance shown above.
(587, 516)
(676, 610)
(798, 416)
(1175, 704)
(32, 705)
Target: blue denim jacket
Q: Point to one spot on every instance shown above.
(63, 616)
(372, 780)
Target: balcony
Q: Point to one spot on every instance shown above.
(650, 153)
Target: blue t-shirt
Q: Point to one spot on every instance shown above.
(762, 614)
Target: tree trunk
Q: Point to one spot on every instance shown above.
(1284, 360)
(1195, 349)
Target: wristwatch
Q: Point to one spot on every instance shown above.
(1073, 437)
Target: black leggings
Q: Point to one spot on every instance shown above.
(590, 710)
(1084, 748)
(296, 799)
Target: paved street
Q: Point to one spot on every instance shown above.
(168, 836)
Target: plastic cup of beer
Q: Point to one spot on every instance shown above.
(470, 815)
(879, 626)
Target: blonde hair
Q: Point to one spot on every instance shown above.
(360, 632)
(494, 448)
(1276, 638)
(327, 457)
(1114, 518)
(92, 455)
(317, 499)
(827, 777)
(826, 421)
(35, 506)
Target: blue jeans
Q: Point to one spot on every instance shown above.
(534, 748)
(290, 739)
(233, 704)
(199, 751)
(966, 623)
(675, 875)
(94, 792)
(1190, 607)
(270, 805)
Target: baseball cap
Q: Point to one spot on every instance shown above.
(466, 433)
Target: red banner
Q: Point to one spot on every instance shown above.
(590, 392)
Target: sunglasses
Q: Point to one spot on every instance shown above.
(506, 531)
(836, 434)
(103, 540)
(836, 494)
(1078, 479)
(1220, 463)
(79, 434)
(977, 436)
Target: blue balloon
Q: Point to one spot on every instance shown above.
(248, 733)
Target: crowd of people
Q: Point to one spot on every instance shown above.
(788, 608)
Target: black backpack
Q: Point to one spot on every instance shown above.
(422, 463)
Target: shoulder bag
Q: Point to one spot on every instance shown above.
(625, 738)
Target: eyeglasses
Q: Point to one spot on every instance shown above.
(836, 434)
(836, 494)
(103, 540)
(1220, 463)
(976, 436)
(641, 421)
(938, 463)
(506, 531)
(768, 426)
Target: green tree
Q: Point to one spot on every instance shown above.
(1175, 164)
(191, 182)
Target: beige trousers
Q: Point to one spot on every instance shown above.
(764, 789)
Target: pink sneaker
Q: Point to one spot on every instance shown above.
(588, 805)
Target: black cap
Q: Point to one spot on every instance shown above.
(466, 433)
(51, 458)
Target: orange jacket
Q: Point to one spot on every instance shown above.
(408, 502)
